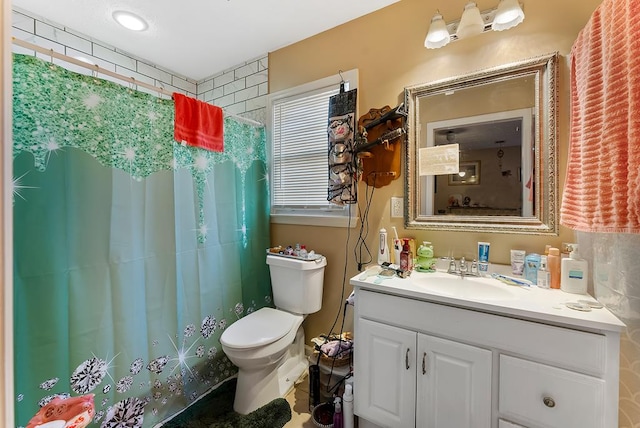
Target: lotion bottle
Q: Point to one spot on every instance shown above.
(574, 273)
(553, 260)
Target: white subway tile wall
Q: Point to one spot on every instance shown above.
(241, 90)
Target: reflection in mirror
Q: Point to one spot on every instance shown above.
(501, 144)
(502, 122)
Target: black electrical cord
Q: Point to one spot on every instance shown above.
(364, 228)
(364, 231)
(336, 386)
(344, 279)
(344, 273)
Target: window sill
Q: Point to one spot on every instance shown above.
(314, 220)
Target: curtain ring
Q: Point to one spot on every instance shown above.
(51, 64)
(133, 86)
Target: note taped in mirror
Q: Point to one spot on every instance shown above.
(438, 160)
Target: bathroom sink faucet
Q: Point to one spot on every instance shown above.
(452, 265)
(463, 269)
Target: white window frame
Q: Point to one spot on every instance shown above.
(333, 215)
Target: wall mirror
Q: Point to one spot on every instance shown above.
(503, 121)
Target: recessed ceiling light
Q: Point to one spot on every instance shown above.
(130, 20)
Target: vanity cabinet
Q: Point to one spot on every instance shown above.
(420, 363)
(411, 376)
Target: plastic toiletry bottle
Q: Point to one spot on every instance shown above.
(347, 406)
(303, 252)
(553, 262)
(397, 249)
(544, 277)
(383, 247)
(531, 265)
(406, 258)
(483, 257)
(574, 271)
(337, 413)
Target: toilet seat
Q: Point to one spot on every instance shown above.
(258, 329)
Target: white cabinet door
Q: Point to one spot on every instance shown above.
(454, 384)
(385, 374)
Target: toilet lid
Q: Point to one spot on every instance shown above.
(259, 328)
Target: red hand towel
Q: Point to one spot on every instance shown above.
(198, 123)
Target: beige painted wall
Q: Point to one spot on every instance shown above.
(387, 49)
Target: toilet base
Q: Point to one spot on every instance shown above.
(255, 388)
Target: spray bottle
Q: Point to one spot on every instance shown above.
(383, 247)
(337, 413)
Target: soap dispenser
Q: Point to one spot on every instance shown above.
(406, 258)
(574, 272)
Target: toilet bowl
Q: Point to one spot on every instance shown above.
(267, 345)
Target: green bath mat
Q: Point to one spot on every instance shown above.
(215, 410)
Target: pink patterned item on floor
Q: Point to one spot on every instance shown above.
(74, 412)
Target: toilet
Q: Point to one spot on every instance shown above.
(267, 345)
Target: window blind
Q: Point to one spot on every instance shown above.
(300, 145)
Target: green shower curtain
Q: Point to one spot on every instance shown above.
(132, 253)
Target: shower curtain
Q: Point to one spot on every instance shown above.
(132, 253)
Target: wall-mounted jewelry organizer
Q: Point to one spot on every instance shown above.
(343, 183)
(379, 150)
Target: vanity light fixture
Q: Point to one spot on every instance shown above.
(506, 15)
(471, 23)
(438, 35)
(130, 20)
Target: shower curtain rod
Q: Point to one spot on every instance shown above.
(96, 68)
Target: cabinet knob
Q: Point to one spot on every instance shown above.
(406, 359)
(549, 402)
(424, 363)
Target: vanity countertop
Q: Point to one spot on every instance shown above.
(537, 304)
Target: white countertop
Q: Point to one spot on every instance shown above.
(533, 303)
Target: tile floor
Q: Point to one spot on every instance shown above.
(298, 399)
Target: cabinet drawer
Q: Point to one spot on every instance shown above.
(546, 396)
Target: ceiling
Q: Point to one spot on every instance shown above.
(199, 38)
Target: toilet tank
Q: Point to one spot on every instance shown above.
(297, 284)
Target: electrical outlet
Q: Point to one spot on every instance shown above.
(396, 207)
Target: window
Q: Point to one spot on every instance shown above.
(298, 158)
